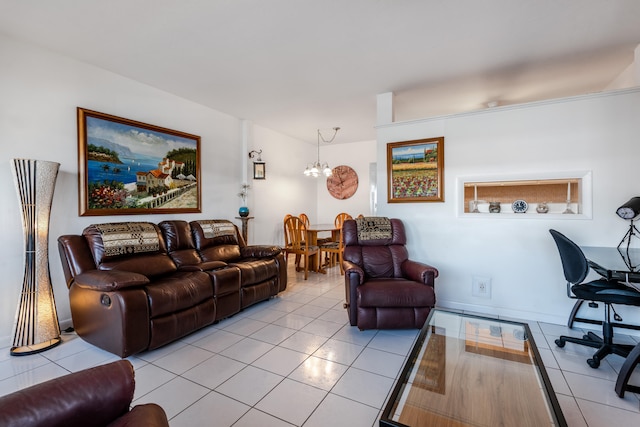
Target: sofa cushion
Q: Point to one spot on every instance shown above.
(216, 240)
(177, 292)
(179, 241)
(395, 293)
(256, 271)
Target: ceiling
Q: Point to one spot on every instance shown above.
(297, 65)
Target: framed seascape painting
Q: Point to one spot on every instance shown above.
(127, 167)
(415, 171)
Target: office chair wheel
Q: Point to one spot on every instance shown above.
(560, 342)
(594, 362)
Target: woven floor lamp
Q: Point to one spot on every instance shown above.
(36, 325)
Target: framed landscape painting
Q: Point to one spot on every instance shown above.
(127, 167)
(415, 171)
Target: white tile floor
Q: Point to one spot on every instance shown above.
(295, 361)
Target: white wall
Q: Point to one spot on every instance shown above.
(40, 91)
(284, 191)
(597, 133)
(358, 156)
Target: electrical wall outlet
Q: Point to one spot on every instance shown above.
(481, 287)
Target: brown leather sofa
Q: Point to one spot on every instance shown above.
(384, 288)
(136, 286)
(97, 396)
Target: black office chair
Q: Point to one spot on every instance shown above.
(576, 268)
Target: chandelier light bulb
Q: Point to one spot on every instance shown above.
(314, 169)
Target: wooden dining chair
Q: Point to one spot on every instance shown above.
(334, 247)
(333, 251)
(287, 240)
(341, 218)
(298, 244)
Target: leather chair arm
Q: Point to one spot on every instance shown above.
(109, 281)
(351, 268)
(148, 415)
(95, 397)
(260, 251)
(419, 272)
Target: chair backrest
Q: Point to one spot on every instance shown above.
(574, 263)
(304, 218)
(340, 219)
(295, 233)
(287, 237)
(378, 256)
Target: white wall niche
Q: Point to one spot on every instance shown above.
(552, 188)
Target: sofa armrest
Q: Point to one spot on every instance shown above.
(204, 266)
(148, 415)
(351, 268)
(419, 272)
(109, 281)
(95, 396)
(260, 251)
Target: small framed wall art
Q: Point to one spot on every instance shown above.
(259, 171)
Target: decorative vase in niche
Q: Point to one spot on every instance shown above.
(243, 211)
(542, 208)
(494, 207)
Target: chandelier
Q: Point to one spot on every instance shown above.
(314, 169)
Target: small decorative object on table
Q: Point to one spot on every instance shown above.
(494, 207)
(519, 206)
(542, 208)
(244, 210)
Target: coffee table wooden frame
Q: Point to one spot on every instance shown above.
(529, 348)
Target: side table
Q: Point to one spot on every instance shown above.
(245, 226)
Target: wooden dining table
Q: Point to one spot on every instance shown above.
(312, 236)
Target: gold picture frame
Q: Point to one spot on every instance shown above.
(415, 171)
(127, 167)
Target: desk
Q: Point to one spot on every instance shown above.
(312, 236)
(614, 263)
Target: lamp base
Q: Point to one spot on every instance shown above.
(26, 350)
(632, 231)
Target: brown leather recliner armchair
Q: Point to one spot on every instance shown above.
(97, 396)
(384, 289)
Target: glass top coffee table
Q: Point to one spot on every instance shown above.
(467, 370)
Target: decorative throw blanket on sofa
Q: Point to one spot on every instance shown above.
(373, 228)
(128, 238)
(217, 228)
